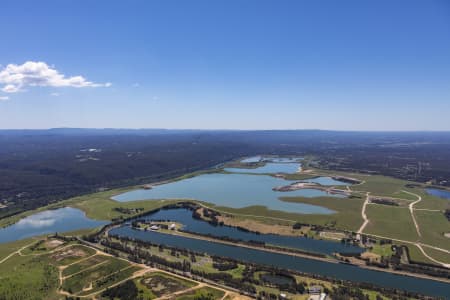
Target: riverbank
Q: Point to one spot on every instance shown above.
(292, 252)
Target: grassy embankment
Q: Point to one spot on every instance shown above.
(384, 220)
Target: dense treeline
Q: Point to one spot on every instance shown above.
(134, 248)
(44, 166)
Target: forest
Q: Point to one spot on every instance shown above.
(38, 167)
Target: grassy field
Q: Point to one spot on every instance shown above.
(27, 277)
(393, 222)
(382, 250)
(347, 214)
(112, 278)
(428, 201)
(82, 281)
(86, 263)
(436, 254)
(433, 225)
(209, 292)
(68, 255)
(8, 248)
(383, 186)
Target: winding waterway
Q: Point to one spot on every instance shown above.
(283, 261)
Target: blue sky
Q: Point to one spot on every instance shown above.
(343, 65)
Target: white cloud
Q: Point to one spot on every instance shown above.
(32, 73)
(54, 94)
(4, 98)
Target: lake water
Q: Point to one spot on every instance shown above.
(253, 159)
(258, 158)
(284, 159)
(439, 193)
(233, 190)
(184, 216)
(46, 222)
(269, 168)
(283, 261)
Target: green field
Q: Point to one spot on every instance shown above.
(27, 277)
(69, 255)
(347, 214)
(392, 222)
(8, 248)
(82, 280)
(206, 292)
(436, 254)
(433, 226)
(382, 250)
(83, 264)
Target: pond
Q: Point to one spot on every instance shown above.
(274, 159)
(439, 193)
(284, 261)
(46, 222)
(269, 168)
(233, 190)
(253, 159)
(184, 216)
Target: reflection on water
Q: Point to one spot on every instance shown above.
(184, 216)
(232, 190)
(269, 168)
(48, 221)
(253, 159)
(283, 261)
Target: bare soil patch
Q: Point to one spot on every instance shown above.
(253, 225)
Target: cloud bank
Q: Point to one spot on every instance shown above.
(15, 78)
